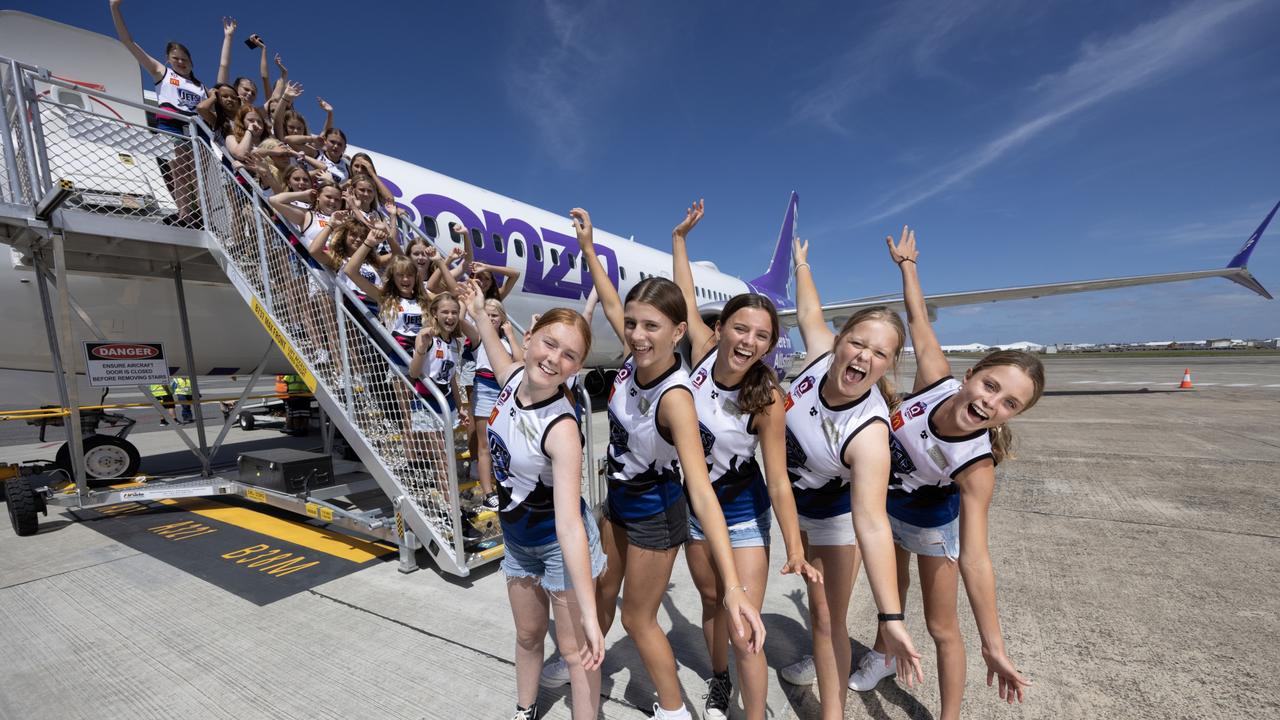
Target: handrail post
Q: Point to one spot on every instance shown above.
(24, 130)
(201, 201)
(10, 158)
(340, 317)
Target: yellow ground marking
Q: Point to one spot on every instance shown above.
(298, 533)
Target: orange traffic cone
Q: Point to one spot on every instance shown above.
(1186, 379)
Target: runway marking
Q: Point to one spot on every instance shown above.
(1276, 385)
(1240, 385)
(298, 533)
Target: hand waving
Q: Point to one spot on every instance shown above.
(691, 218)
(905, 249)
(582, 227)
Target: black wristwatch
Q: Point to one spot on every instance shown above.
(889, 617)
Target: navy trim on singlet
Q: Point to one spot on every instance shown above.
(845, 446)
(928, 387)
(948, 438)
(656, 407)
(984, 456)
(816, 360)
(542, 444)
(842, 406)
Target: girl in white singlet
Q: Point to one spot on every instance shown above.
(178, 92)
(657, 470)
(948, 435)
(838, 460)
(740, 410)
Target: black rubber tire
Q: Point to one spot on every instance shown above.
(98, 442)
(23, 506)
(246, 420)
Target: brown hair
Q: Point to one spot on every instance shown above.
(565, 316)
(663, 295)
(883, 314)
(760, 383)
(389, 307)
(337, 254)
(1001, 435)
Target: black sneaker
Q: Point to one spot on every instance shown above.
(719, 690)
(529, 713)
(470, 533)
(491, 501)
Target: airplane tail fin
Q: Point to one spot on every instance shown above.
(1242, 276)
(775, 282)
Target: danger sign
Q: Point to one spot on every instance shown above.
(111, 364)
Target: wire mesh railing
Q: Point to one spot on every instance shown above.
(123, 169)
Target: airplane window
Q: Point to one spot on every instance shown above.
(518, 244)
(537, 252)
(622, 273)
(573, 260)
(555, 256)
(477, 238)
(429, 226)
(497, 242)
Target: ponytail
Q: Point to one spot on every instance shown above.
(759, 389)
(1001, 443)
(889, 392)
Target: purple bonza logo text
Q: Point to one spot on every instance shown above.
(540, 274)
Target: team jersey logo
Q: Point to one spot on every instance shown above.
(700, 378)
(895, 420)
(916, 409)
(789, 404)
(439, 353)
(501, 457)
(174, 81)
(804, 386)
(796, 457)
(493, 414)
(708, 439)
(506, 393)
(618, 435)
(902, 464)
(623, 374)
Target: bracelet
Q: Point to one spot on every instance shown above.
(803, 265)
(726, 593)
(890, 617)
(910, 260)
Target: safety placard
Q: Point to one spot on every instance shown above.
(115, 363)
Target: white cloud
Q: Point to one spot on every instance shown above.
(1100, 72)
(912, 37)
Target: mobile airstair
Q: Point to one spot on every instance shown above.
(83, 190)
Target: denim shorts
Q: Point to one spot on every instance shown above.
(837, 530)
(753, 532)
(483, 400)
(546, 562)
(940, 541)
(661, 532)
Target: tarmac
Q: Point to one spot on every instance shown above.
(1135, 540)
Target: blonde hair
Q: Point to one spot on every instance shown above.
(432, 325)
(883, 314)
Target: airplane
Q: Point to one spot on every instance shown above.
(504, 231)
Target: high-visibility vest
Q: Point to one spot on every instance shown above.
(295, 385)
(159, 390)
(181, 385)
(282, 385)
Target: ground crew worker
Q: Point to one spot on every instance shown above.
(160, 392)
(298, 405)
(181, 385)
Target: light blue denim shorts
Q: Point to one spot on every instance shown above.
(748, 533)
(483, 400)
(940, 541)
(546, 562)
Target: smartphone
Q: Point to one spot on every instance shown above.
(252, 41)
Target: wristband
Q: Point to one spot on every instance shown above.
(910, 260)
(803, 265)
(890, 617)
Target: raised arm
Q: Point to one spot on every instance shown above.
(154, 67)
(977, 483)
(500, 361)
(564, 447)
(328, 116)
(224, 60)
(609, 298)
(931, 363)
(282, 82)
(868, 455)
(516, 342)
(676, 415)
(205, 110)
(393, 227)
(589, 309)
(352, 268)
(510, 276)
(282, 203)
(263, 69)
(700, 335)
(817, 336)
(291, 92)
(320, 242)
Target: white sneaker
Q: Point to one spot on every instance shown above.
(871, 670)
(803, 672)
(555, 674)
(681, 714)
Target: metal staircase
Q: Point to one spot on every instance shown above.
(102, 185)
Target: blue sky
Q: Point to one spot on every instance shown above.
(1027, 141)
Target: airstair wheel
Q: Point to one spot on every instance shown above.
(106, 457)
(23, 506)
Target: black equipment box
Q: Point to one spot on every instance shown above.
(285, 470)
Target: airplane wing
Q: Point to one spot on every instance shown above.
(1235, 271)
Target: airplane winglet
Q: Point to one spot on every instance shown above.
(1242, 258)
(774, 280)
(1239, 263)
